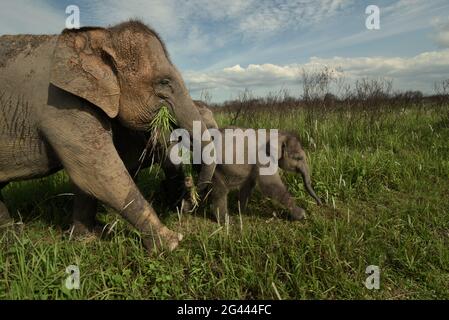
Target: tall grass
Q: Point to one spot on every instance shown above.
(384, 174)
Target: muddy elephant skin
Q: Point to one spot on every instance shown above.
(60, 95)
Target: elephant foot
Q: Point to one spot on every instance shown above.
(6, 222)
(5, 218)
(187, 206)
(223, 219)
(165, 239)
(80, 231)
(191, 200)
(9, 225)
(297, 214)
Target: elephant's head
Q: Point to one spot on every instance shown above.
(292, 157)
(125, 71)
(206, 115)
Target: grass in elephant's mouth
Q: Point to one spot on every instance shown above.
(385, 182)
(161, 127)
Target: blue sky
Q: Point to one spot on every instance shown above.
(225, 46)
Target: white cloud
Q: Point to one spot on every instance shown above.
(196, 42)
(345, 31)
(435, 63)
(197, 26)
(163, 15)
(442, 32)
(218, 10)
(270, 18)
(411, 73)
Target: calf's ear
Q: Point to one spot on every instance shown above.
(280, 147)
(84, 65)
(282, 151)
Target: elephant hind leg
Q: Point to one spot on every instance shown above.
(4, 213)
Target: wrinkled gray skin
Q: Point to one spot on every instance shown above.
(60, 97)
(130, 145)
(175, 173)
(244, 177)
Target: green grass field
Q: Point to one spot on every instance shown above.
(384, 176)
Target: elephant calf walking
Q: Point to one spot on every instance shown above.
(244, 177)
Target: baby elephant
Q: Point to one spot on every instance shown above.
(244, 177)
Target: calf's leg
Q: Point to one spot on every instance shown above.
(219, 198)
(273, 187)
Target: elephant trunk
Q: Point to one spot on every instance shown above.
(186, 114)
(308, 184)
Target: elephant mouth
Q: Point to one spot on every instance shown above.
(164, 102)
(169, 112)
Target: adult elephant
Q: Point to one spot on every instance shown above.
(61, 95)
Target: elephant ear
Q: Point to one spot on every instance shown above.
(84, 65)
(282, 145)
(206, 115)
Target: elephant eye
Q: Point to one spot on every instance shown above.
(164, 82)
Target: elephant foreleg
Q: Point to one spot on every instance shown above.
(107, 179)
(219, 197)
(84, 212)
(245, 192)
(83, 143)
(273, 187)
(129, 145)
